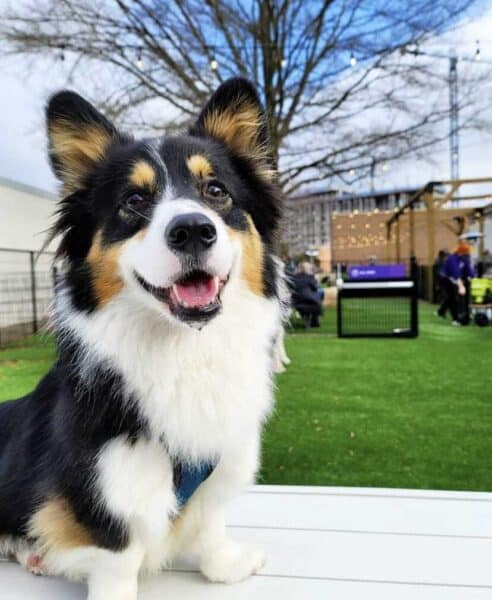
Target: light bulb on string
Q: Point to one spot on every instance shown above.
(214, 65)
(477, 51)
(353, 60)
(139, 62)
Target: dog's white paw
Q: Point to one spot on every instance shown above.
(232, 562)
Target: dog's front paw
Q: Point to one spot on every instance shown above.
(232, 562)
(31, 562)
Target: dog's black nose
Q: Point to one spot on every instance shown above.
(191, 233)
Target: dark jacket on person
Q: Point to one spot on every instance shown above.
(305, 292)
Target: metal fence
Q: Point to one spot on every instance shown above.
(377, 309)
(26, 292)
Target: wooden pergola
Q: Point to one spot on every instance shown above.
(433, 198)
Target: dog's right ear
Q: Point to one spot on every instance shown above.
(79, 137)
(234, 116)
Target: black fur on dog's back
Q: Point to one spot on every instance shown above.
(24, 451)
(50, 441)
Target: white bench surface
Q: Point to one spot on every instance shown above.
(331, 543)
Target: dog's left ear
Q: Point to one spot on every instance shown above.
(234, 116)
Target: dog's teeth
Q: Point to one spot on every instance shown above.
(178, 297)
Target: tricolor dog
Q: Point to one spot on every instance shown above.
(167, 307)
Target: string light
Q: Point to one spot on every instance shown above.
(353, 60)
(477, 51)
(283, 63)
(385, 166)
(139, 61)
(214, 65)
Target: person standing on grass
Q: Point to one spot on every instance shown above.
(307, 298)
(457, 270)
(439, 277)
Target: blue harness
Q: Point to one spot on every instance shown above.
(187, 479)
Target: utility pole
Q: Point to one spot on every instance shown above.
(373, 172)
(454, 106)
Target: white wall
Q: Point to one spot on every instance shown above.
(25, 214)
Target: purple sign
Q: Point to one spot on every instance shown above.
(396, 271)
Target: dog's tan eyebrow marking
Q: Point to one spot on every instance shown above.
(199, 166)
(143, 174)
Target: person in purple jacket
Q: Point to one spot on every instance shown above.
(456, 271)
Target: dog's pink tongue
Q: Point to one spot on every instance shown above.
(196, 293)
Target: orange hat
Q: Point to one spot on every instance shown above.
(462, 248)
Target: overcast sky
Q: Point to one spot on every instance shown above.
(23, 148)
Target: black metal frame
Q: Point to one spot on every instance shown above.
(380, 288)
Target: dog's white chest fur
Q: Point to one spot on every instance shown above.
(209, 388)
(136, 480)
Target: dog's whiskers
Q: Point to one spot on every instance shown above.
(138, 213)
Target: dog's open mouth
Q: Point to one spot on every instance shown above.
(194, 297)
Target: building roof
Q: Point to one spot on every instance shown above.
(28, 189)
(345, 195)
(374, 193)
(314, 191)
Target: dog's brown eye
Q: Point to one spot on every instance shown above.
(215, 191)
(134, 201)
(133, 207)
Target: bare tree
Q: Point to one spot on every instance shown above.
(339, 93)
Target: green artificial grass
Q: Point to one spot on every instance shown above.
(23, 364)
(408, 413)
